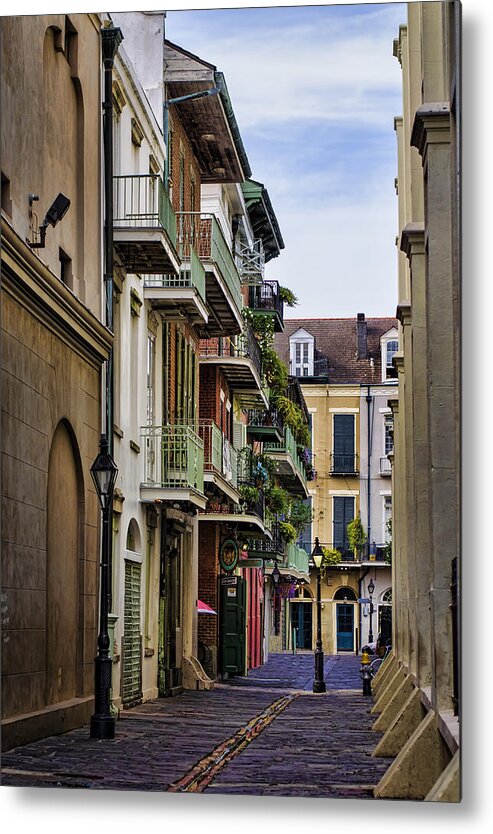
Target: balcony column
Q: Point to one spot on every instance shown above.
(413, 244)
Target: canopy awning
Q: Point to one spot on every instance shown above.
(203, 608)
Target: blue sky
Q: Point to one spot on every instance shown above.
(315, 90)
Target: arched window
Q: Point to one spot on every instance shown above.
(387, 597)
(345, 594)
(133, 537)
(302, 593)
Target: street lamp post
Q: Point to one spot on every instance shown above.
(103, 472)
(318, 681)
(371, 588)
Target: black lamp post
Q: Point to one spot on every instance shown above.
(371, 588)
(103, 472)
(318, 681)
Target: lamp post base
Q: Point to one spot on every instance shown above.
(319, 683)
(102, 727)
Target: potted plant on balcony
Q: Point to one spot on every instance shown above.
(331, 557)
(356, 536)
(288, 297)
(249, 495)
(288, 531)
(277, 500)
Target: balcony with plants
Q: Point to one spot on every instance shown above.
(203, 233)
(267, 299)
(144, 225)
(173, 465)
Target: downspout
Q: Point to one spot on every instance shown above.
(369, 435)
(111, 37)
(361, 595)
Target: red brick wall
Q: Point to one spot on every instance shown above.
(208, 624)
(181, 146)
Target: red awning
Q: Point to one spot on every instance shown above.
(203, 608)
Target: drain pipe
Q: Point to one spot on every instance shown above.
(361, 595)
(369, 435)
(111, 38)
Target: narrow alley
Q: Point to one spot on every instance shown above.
(266, 734)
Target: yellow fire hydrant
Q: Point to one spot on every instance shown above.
(366, 673)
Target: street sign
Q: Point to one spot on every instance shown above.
(364, 600)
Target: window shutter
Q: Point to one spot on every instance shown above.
(239, 435)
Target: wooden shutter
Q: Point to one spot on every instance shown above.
(343, 509)
(344, 443)
(132, 640)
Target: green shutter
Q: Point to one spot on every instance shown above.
(132, 640)
(343, 508)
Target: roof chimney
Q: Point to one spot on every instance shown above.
(361, 334)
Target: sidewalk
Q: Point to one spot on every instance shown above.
(263, 735)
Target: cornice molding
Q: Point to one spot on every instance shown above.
(404, 313)
(29, 281)
(431, 126)
(413, 239)
(393, 403)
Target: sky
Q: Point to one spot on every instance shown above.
(315, 90)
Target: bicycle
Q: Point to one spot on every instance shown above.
(377, 661)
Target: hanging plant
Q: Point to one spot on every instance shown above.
(249, 494)
(356, 535)
(331, 557)
(300, 515)
(288, 532)
(388, 544)
(278, 500)
(288, 297)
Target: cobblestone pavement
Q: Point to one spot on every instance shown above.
(264, 734)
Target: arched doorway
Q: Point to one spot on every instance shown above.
(345, 599)
(385, 617)
(301, 619)
(64, 507)
(132, 638)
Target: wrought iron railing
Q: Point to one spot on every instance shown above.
(192, 276)
(242, 346)
(265, 418)
(203, 232)
(385, 466)
(297, 558)
(288, 445)
(377, 552)
(173, 457)
(219, 454)
(343, 464)
(266, 297)
(141, 201)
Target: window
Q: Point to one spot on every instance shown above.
(389, 346)
(343, 513)
(66, 269)
(301, 352)
(387, 518)
(343, 457)
(151, 352)
(389, 434)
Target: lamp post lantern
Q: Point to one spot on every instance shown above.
(103, 472)
(318, 681)
(371, 588)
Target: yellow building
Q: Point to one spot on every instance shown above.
(344, 368)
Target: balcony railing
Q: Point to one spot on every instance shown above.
(250, 262)
(174, 457)
(220, 456)
(242, 346)
(288, 446)
(385, 466)
(297, 558)
(193, 277)
(377, 552)
(203, 232)
(267, 548)
(141, 202)
(266, 298)
(343, 464)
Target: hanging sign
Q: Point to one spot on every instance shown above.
(229, 554)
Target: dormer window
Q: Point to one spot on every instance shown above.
(389, 346)
(301, 352)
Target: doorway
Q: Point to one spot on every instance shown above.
(301, 622)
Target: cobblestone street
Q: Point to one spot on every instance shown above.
(266, 734)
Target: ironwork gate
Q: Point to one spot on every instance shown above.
(132, 639)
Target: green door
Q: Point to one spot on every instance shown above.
(301, 619)
(232, 625)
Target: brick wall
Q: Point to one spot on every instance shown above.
(181, 148)
(208, 624)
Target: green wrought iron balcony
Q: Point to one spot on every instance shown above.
(180, 295)
(289, 465)
(144, 225)
(173, 465)
(297, 558)
(240, 360)
(220, 460)
(223, 284)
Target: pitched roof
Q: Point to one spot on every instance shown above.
(336, 347)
